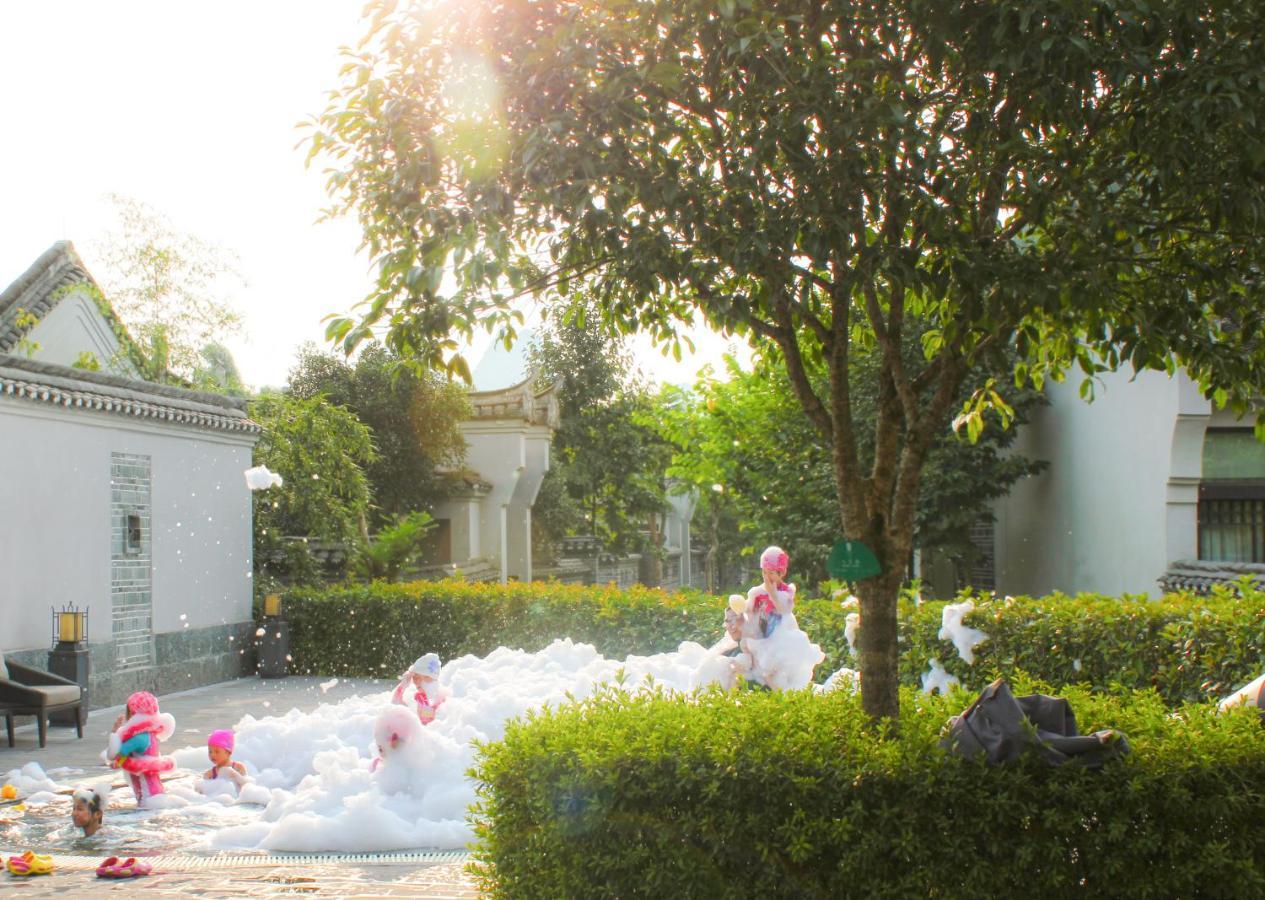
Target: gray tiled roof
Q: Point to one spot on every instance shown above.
(36, 289)
(54, 385)
(1200, 576)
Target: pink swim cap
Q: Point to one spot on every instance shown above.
(222, 738)
(143, 703)
(775, 558)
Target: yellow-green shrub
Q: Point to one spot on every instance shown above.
(789, 795)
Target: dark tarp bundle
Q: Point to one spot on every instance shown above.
(1005, 727)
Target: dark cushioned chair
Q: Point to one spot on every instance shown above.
(25, 691)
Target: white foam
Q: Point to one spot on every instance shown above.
(844, 679)
(31, 780)
(852, 624)
(315, 771)
(964, 638)
(258, 478)
(937, 679)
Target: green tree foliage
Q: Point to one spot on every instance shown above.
(389, 552)
(321, 452)
(1082, 181)
(170, 288)
(606, 476)
(217, 371)
(745, 444)
(414, 418)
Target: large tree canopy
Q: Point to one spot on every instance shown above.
(1078, 179)
(743, 443)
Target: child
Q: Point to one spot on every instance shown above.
(219, 748)
(88, 810)
(780, 655)
(419, 687)
(773, 598)
(134, 745)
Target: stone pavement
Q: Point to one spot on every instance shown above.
(441, 882)
(197, 713)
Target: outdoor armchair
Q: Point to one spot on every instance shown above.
(25, 691)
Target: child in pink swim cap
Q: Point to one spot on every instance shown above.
(773, 597)
(219, 747)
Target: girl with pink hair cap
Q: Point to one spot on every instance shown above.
(774, 651)
(773, 598)
(219, 749)
(134, 745)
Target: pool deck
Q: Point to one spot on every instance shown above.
(198, 712)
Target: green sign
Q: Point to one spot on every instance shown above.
(852, 561)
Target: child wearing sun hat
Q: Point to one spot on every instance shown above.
(419, 688)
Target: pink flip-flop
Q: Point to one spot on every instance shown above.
(107, 867)
(131, 868)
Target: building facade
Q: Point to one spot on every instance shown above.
(119, 496)
(1146, 483)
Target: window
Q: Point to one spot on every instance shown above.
(132, 534)
(1232, 497)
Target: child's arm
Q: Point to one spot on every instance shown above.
(784, 599)
(238, 768)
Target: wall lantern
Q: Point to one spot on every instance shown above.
(272, 605)
(70, 625)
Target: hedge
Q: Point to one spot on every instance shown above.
(1186, 647)
(757, 794)
(369, 630)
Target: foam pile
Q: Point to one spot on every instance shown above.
(332, 786)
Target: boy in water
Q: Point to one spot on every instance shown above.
(88, 810)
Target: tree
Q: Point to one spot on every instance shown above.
(607, 474)
(169, 287)
(744, 443)
(321, 451)
(217, 371)
(415, 419)
(1081, 181)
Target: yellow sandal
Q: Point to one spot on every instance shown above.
(30, 863)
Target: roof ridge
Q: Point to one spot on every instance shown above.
(38, 290)
(55, 374)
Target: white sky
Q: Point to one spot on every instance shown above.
(191, 109)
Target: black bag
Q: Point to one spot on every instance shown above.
(1004, 727)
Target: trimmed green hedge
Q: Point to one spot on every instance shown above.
(755, 794)
(370, 630)
(1186, 647)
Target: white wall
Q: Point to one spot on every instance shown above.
(55, 520)
(1114, 504)
(73, 326)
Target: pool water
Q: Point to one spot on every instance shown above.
(46, 826)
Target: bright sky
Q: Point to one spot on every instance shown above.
(191, 109)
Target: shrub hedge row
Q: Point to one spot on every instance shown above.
(755, 794)
(369, 630)
(1186, 647)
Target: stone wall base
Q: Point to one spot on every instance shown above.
(183, 659)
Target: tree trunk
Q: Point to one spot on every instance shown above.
(877, 646)
(654, 566)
